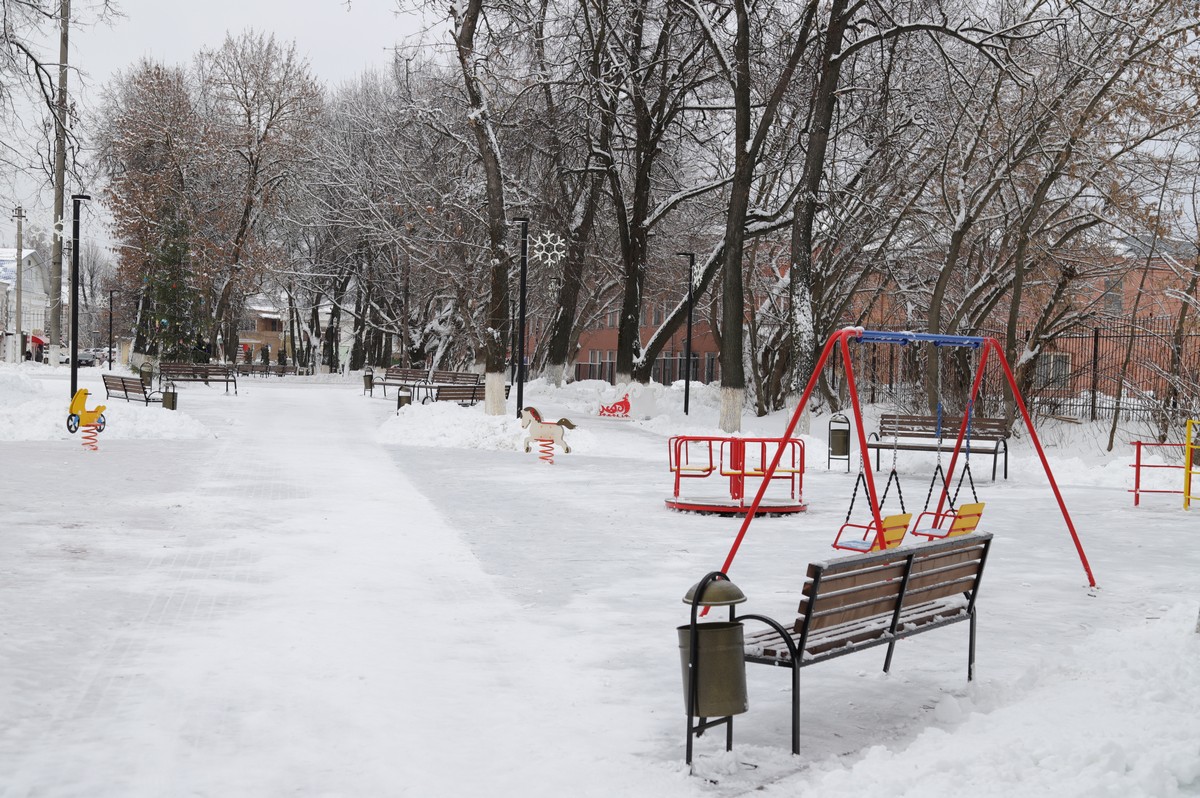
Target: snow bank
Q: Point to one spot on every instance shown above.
(33, 409)
(447, 425)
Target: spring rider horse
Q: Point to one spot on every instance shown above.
(546, 433)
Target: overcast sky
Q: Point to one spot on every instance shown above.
(339, 39)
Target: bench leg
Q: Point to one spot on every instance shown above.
(887, 661)
(971, 650)
(795, 710)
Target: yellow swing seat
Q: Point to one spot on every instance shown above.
(894, 529)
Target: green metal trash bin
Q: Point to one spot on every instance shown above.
(720, 668)
(839, 440)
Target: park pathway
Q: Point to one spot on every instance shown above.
(273, 611)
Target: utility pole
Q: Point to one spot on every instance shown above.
(19, 324)
(60, 171)
(76, 200)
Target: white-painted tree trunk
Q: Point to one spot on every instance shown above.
(554, 373)
(493, 394)
(731, 409)
(624, 379)
(804, 424)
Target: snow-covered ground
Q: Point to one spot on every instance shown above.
(295, 591)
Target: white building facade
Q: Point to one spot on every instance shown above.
(35, 300)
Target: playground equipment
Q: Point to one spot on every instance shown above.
(840, 341)
(738, 459)
(894, 528)
(545, 433)
(1190, 466)
(636, 401)
(963, 521)
(92, 421)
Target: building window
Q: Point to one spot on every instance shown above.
(1053, 371)
(248, 325)
(1113, 300)
(658, 315)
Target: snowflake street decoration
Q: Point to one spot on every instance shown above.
(549, 248)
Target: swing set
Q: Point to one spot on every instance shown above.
(944, 520)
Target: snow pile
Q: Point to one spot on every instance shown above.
(1113, 717)
(36, 410)
(448, 425)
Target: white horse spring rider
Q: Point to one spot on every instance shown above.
(544, 430)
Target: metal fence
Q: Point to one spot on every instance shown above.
(1087, 375)
(667, 369)
(1079, 375)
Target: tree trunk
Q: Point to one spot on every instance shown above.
(803, 316)
(500, 264)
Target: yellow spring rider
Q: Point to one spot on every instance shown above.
(80, 416)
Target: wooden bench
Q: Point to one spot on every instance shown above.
(920, 434)
(399, 377)
(129, 388)
(455, 378)
(865, 600)
(198, 372)
(465, 395)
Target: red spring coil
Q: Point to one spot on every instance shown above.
(546, 450)
(90, 440)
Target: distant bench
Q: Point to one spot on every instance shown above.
(254, 369)
(198, 372)
(129, 388)
(921, 434)
(399, 377)
(426, 385)
(465, 395)
(866, 600)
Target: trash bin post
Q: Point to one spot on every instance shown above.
(721, 688)
(403, 399)
(369, 380)
(170, 398)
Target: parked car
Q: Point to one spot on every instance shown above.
(83, 358)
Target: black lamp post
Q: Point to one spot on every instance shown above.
(76, 199)
(110, 325)
(520, 353)
(687, 344)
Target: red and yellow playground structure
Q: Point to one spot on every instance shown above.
(1190, 465)
(92, 421)
(696, 457)
(839, 343)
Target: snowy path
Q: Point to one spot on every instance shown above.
(294, 607)
(283, 614)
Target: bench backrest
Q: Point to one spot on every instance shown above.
(397, 373)
(460, 392)
(864, 586)
(899, 425)
(456, 378)
(115, 382)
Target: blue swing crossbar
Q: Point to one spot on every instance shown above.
(904, 338)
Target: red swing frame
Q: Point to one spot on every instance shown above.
(840, 341)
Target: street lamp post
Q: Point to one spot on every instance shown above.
(520, 354)
(76, 199)
(687, 344)
(110, 325)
